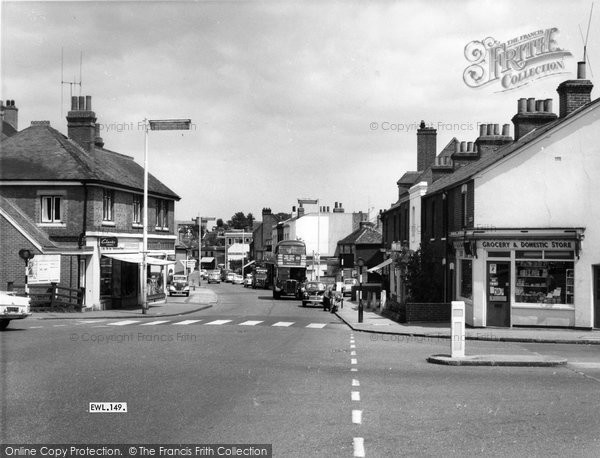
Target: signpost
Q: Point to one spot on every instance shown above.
(361, 263)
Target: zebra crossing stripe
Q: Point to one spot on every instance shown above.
(317, 325)
(218, 322)
(186, 322)
(152, 323)
(250, 323)
(283, 323)
(123, 323)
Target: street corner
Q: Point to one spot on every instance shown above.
(498, 360)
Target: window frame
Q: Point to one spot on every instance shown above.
(108, 205)
(53, 200)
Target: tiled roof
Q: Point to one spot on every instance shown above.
(363, 235)
(409, 178)
(466, 172)
(7, 130)
(42, 153)
(26, 224)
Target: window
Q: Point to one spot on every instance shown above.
(545, 282)
(137, 209)
(51, 209)
(433, 220)
(108, 199)
(463, 195)
(466, 280)
(162, 213)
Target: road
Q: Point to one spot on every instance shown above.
(253, 370)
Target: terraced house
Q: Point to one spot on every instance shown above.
(77, 207)
(513, 226)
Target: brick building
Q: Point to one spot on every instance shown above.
(70, 196)
(512, 224)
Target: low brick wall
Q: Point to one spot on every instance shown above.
(424, 312)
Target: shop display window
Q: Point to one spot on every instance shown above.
(105, 276)
(544, 282)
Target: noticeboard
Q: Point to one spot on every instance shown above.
(43, 269)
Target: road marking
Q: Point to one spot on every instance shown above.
(317, 325)
(283, 323)
(352, 353)
(218, 322)
(355, 382)
(359, 446)
(353, 361)
(35, 327)
(587, 365)
(250, 323)
(352, 346)
(90, 321)
(352, 342)
(58, 325)
(355, 395)
(353, 370)
(152, 323)
(184, 322)
(357, 417)
(123, 323)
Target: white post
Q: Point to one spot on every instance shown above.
(145, 229)
(318, 240)
(457, 329)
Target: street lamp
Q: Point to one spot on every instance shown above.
(360, 262)
(157, 124)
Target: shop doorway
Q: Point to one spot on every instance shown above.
(596, 296)
(498, 294)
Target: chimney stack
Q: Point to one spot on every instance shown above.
(426, 146)
(10, 114)
(81, 122)
(491, 138)
(531, 115)
(98, 141)
(573, 94)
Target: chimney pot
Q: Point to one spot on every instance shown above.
(522, 105)
(531, 104)
(496, 129)
(470, 147)
(539, 105)
(81, 103)
(88, 103)
(74, 103)
(490, 129)
(548, 105)
(463, 147)
(580, 70)
(506, 130)
(482, 130)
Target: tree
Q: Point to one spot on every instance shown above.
(424, 280)
(241, 221)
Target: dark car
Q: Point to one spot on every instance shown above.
(179, 286)
(214, 276)
(312, 293)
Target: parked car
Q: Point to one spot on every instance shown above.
(348, 284)
(248, 281)
(237, 279)
(312, 293)
(214, 276)
(229, 277)
(12, 308)
(203, 274)
(179, 286)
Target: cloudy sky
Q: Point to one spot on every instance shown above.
(288, 99)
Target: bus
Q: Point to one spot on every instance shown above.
(288, 268)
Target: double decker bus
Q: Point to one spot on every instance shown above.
(288, 270)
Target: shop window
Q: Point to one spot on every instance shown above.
(105, 276)
(108, 200)
(498, 254)
(528, 255)
(466, 278)
(545, 282)
(162, 214)
(51, 209)
(137, 209)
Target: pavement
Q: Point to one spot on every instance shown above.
(199, 299)
(374, 322)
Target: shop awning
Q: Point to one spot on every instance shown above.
(249, 264)
(387, 262)
(206, 259)
(137, 258)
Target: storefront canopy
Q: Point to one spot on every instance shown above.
(137, 258)
(387, 262)
(207, 259)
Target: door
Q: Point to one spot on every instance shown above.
(596, 296)
(498, 294)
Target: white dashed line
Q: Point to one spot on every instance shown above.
(58, 325)
(353, 361)
(184, 322)
(284, 323)
(352, 346)
(357, 417)
(250, 323)
(218, 322)
(355, 382)
(359, 446)
(355, 395)
(352, 353)
(36, 327)
(123, 323)
(353, 370)
(152, 323)
(317, 325)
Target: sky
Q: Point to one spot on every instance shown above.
(288, 99)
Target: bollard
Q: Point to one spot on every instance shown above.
(457, 329)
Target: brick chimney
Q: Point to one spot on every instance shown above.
(98, 141)
(81, 122)
(10, 114)
(426, 146)
(573, 94)
(531, 114)
(491, 138)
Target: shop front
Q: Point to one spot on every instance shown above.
(519, 277)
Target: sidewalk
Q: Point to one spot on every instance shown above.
(374, 322)
(199, 299)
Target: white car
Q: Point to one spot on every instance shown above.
(12, 308)
(237, 279)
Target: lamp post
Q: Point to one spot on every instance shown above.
(360, 262)
(157, 124)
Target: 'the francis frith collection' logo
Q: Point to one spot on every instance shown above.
(516, 62)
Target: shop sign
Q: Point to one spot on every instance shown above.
(43, 268)
(528, 244)
(108, 242)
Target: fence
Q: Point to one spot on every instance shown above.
(51, 296)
